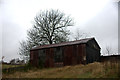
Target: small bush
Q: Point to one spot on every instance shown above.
(24, 68)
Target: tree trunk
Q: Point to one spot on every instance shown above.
(50, 42)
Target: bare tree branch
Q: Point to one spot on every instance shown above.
(49, 27)
(79, 34)
(108, 50)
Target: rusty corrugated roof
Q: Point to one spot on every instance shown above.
(64, 43)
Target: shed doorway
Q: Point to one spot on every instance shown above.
(58, 56)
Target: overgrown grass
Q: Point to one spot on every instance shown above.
(4, 66)
(93, 70)
(10, 69)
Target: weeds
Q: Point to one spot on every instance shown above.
(12, 69)
(92, 70)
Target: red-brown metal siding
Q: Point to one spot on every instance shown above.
(34, 58)
(51, 54)
(73, 52)
(80, 53)
(83, 54)
(68, 51)
(31, 57)
(72, 55)
(82, 41)
(111, 58)
(49, 57)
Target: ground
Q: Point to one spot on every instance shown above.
(4, 66)
(93, 70)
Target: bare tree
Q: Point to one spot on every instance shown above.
(108, 50)
(80, 34)
(49, 27)
(24, 50)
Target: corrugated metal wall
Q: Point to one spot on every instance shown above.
(112, 58)
(92, 52)
(72, 55)
(34, 58)
(49, 57)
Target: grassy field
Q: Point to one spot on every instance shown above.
(93, 70)
(4, 66)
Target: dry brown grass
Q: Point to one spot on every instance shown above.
(93, 70)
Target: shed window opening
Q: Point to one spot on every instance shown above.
(58, 55)
(41, 56)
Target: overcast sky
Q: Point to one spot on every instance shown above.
(98, 18)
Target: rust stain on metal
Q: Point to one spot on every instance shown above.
(82, 41)
(68, 53)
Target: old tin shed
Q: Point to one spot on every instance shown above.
(68, 53)
(110, 58)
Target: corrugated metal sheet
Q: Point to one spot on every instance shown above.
(34, 58)
(111, 58)
(64, 44)
(72, 53)
(68, 51)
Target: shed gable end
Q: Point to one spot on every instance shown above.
(93, 44)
